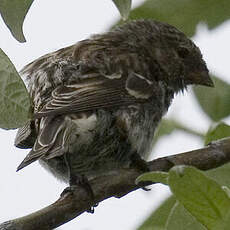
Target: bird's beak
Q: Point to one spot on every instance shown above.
(201, 78)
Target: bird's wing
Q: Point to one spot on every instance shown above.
(96, 93)
(91, 94)
(26, 136)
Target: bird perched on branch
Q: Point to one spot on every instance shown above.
(97, 103)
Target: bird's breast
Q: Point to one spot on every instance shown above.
(83, 127)
(85, 122)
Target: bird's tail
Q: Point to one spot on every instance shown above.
(30, 158)
(50, 141)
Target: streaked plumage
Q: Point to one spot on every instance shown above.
(98, 102)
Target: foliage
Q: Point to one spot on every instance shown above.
(214, 101)
(159, 217)
(14, 100)
(203, 203)
(124, 7)
(185, 15)
(13, 13)
(219, 131)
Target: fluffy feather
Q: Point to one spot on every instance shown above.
(97, 103)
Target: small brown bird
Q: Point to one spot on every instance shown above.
(97, 103)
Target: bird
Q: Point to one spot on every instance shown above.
(97, 103)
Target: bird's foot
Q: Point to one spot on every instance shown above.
(68, 190)
(146, 189)
(82, 181)
(140, 164)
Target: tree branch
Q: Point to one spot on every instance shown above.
(117, 183)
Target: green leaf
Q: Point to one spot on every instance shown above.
(214, 101)
(14, 98)
(156, 177)
(226, 224)
(159, 216)
(185, 15)
(13, 13)
(221, 130)
(167, 126)
(227, 190)
(181, 219)
(220, 174)
(201, 196)
(124, 7)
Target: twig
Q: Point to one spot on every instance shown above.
(116, 184)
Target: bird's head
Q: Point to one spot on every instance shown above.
(195, 69)
(179, 59)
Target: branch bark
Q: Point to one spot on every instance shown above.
(116, 184)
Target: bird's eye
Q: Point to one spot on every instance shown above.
(183, 52)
